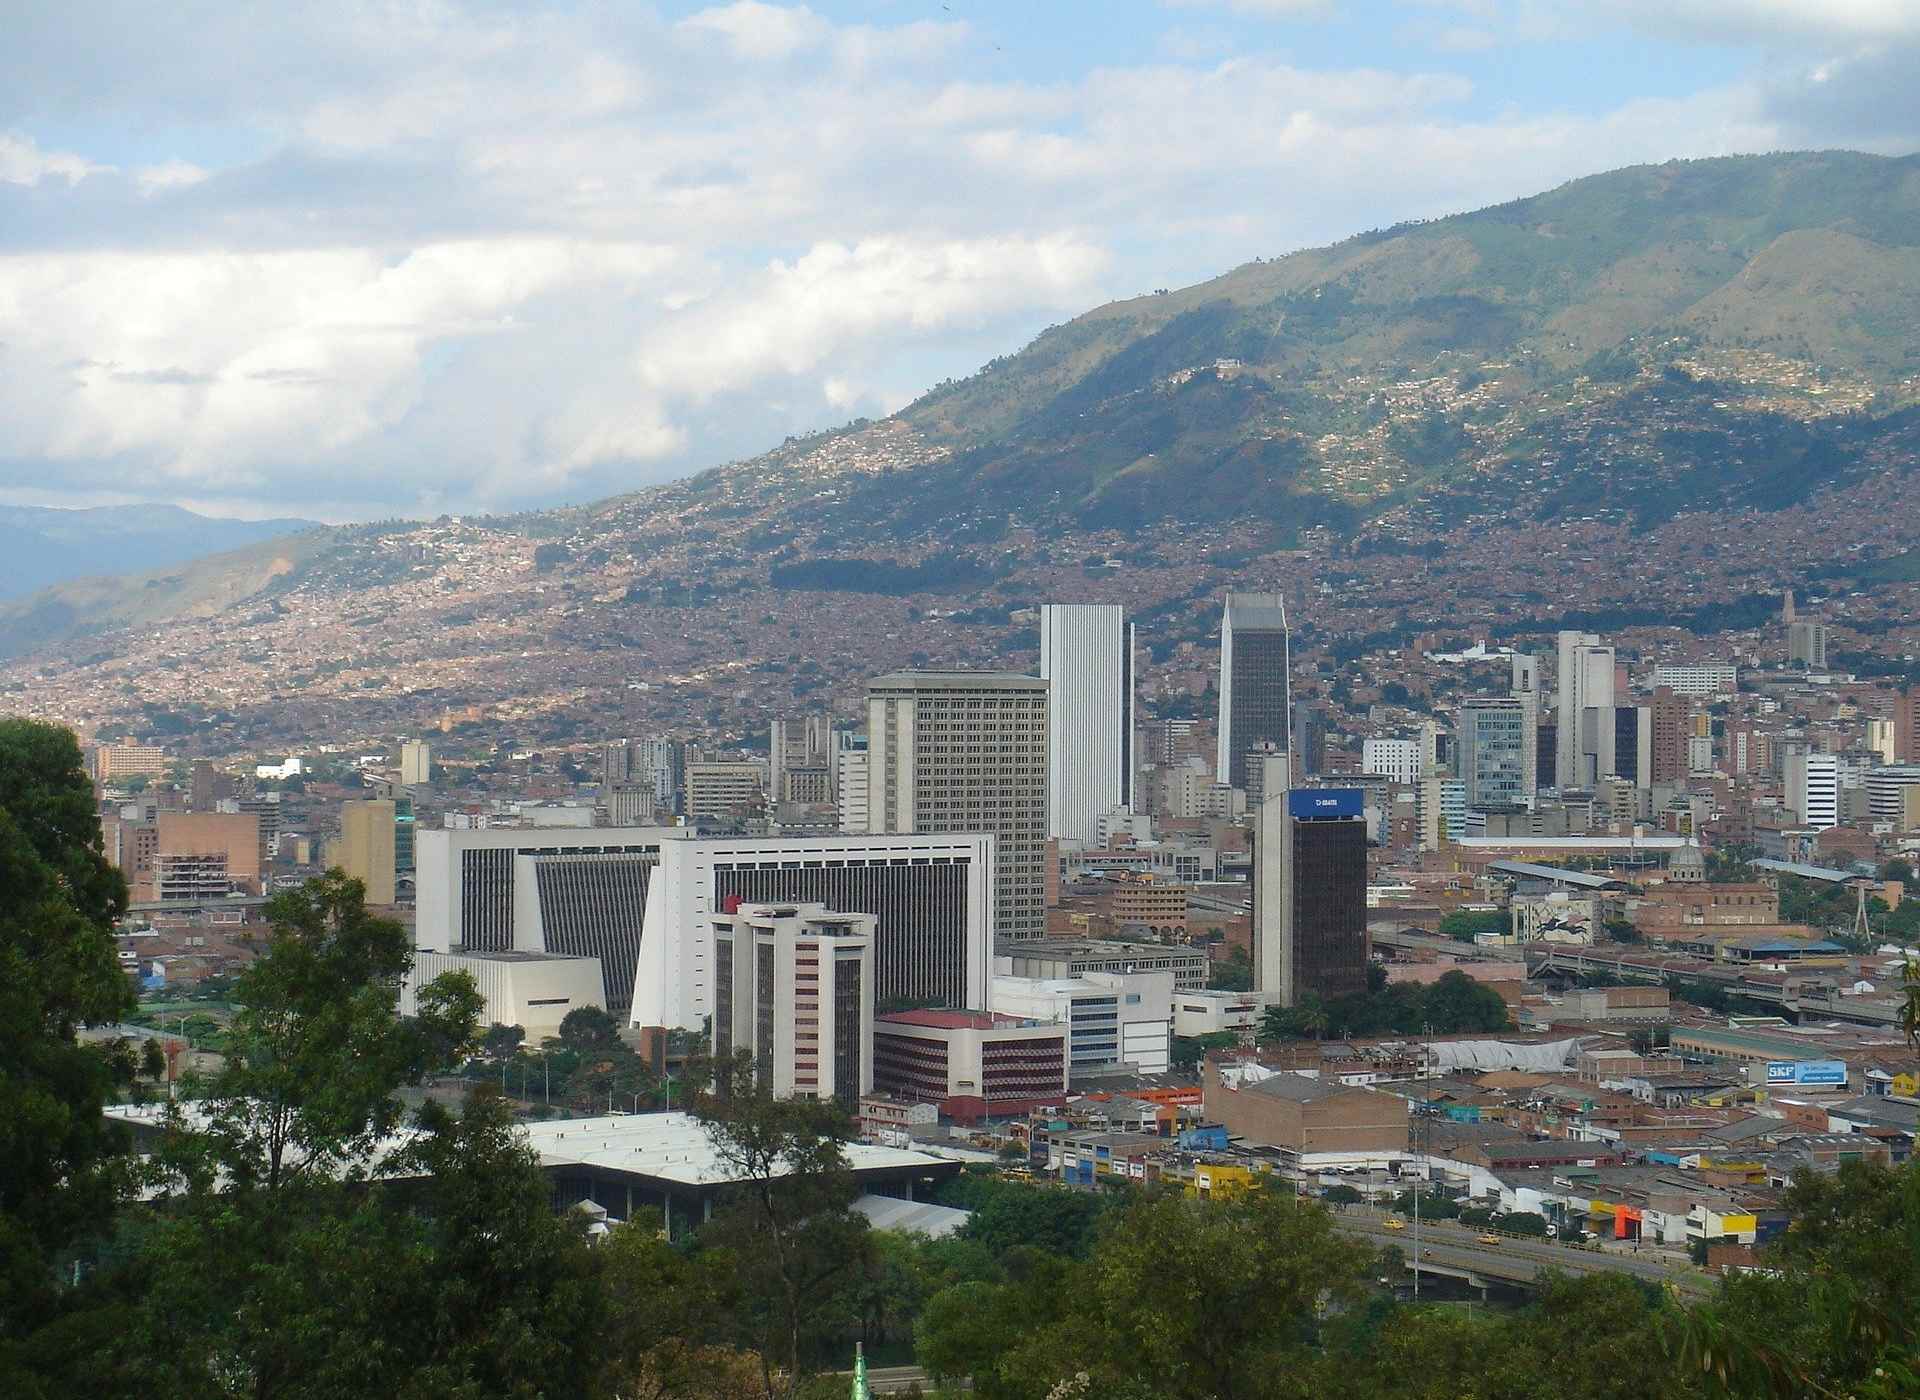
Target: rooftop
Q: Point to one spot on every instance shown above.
(675, 1147)
(949, 1020)
(956, 680)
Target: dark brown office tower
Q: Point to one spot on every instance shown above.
(1906, 725)
(1310, 894)
(1255, 698)
(1671, 717)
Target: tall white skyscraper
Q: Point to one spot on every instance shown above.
(1086, 659)
(1256, 700)
(1585, 682)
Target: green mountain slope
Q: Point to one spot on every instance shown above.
(1723, 334)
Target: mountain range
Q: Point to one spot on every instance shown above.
(44, 546)
(1640, 357)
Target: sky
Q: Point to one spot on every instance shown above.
(366, 259)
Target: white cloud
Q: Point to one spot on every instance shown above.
(761, 32)
(1771, 20)
(22, 162)
(482, 255)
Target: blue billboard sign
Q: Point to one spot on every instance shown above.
(1806, 1071)
(1326, 802)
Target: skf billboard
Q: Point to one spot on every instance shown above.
(1326, 802)
(1806, 1071)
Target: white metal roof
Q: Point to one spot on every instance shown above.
(672, 1147)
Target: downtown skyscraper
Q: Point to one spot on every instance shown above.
(1086, 658)
(966, 752)
(1256, 698)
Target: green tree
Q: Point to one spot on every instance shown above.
(59, 896)
(502, 1042)
(1457, 1003)
(1189, 1051)
(318, 1047)
(589, 1028)
(787, 1219)
(1462, 924)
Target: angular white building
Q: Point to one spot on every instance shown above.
(932, 899)
(1086, 659)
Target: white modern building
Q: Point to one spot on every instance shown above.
(1813, 789)
(1397, 759)
(533, 991)
(1112, 1018)
(1211, 1011)
(793, 987)
(1086, 659)
(570, 891)
(1584, 682)
(1707, 679)
(850, 786)
(931, 897)
(416, 763)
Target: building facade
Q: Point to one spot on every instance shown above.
(1256, 696)
(931, 898)
(793, 988)
(974, 1064)
(1086, 659)
(366, 848)
(963, 752)
(1496, 748)
(1584, 682)
(1310, 895)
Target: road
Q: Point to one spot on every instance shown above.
(1516, 1259)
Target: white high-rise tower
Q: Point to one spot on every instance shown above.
(1585, 682)
(1086, 658)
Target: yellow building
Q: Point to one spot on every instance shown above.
(365, 847)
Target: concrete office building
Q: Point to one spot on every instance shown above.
(365, 849)
(790, 747)
(1584, 682)
(1813, 789)
(724, 792)
(1893, 795)
(793, 987)
(1696, 682)
(1256, 697)
(850, 781)
(1497, 749)
(572, 892)
(1807, 643)
(630, 804)
(1395, 759)
(931, 897)
(115, 762)
(1616, 741)
(974, 1064)
(1082, 957)
(1086, 659)
(533, 991)
(181, 841)
(662, 763)
(416, 763)
(1112, 1018)
(960, 752)
(1310, 894)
